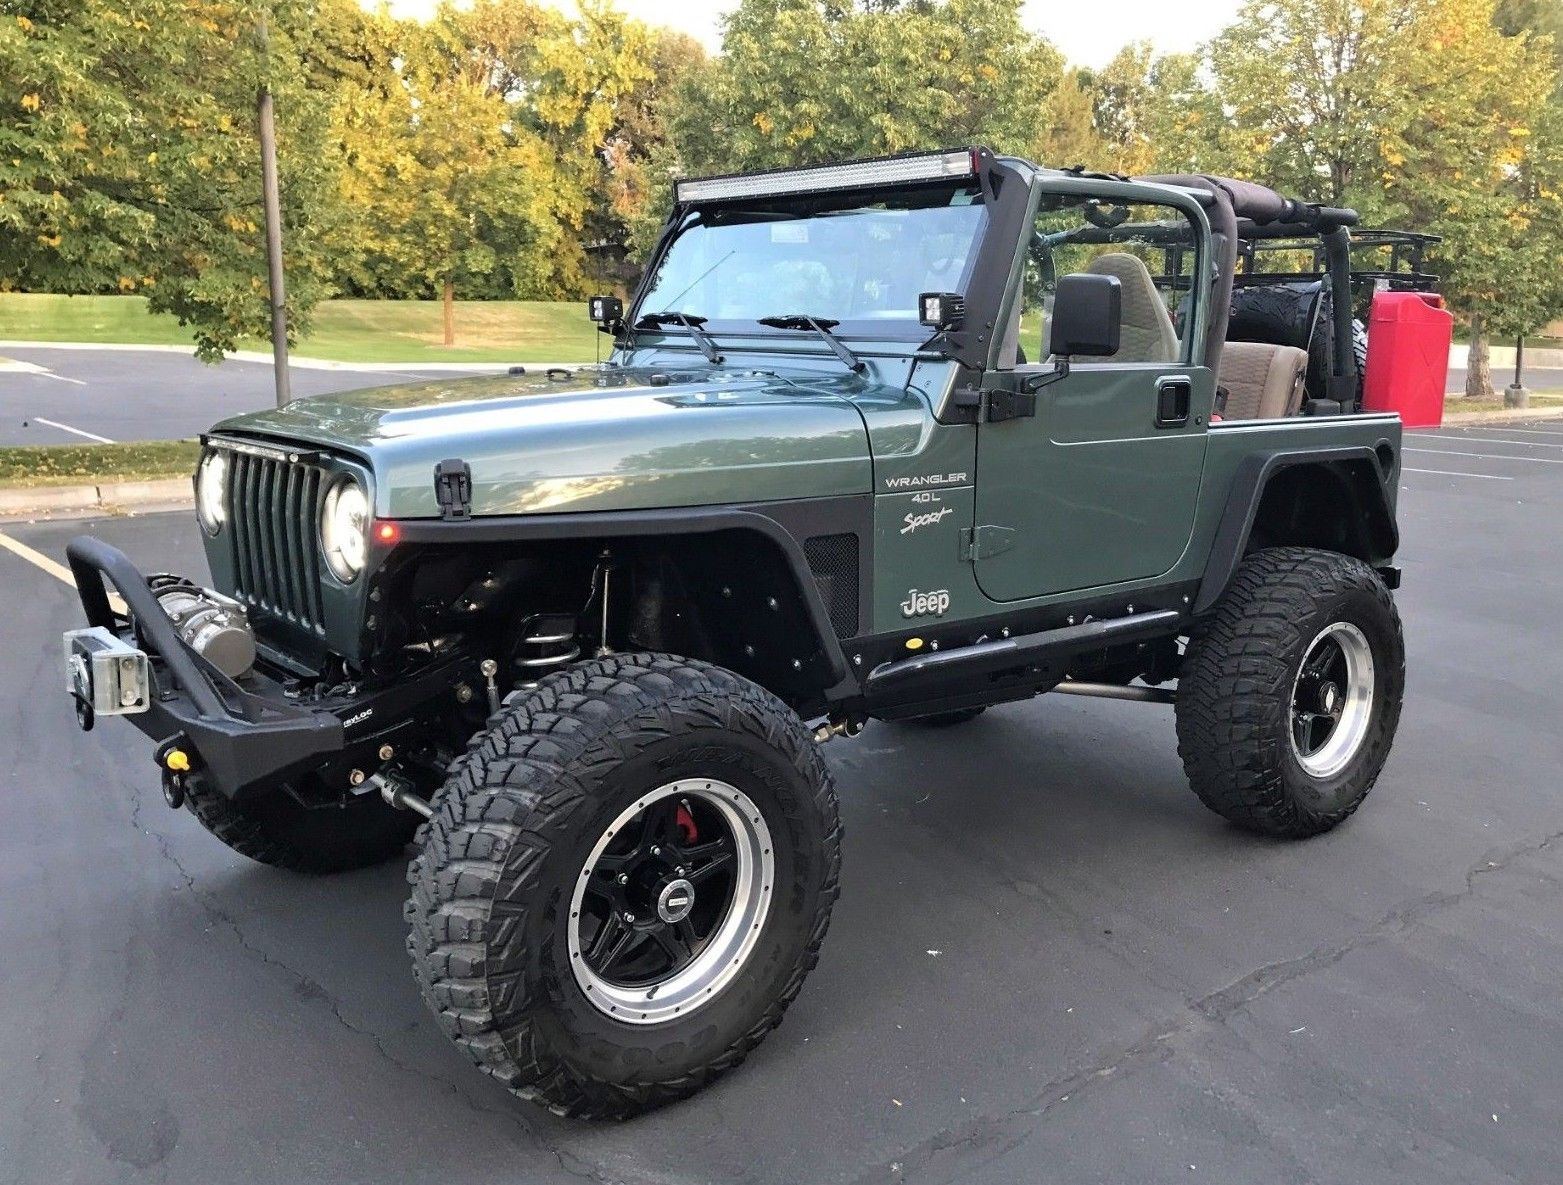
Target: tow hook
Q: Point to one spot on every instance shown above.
(173, 763)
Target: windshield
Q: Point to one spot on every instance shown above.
(860, 259)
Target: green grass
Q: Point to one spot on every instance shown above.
(1538, 399)
(343, 330)
(88, 464)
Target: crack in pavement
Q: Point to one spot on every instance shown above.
(312, 989)
(952, 1154)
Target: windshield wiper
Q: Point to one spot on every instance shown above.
(823, 327)
(691, 323)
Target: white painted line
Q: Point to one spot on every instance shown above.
(53, 567)
(1493, 440)
(1445, 452)
(1527, 431)
(1456, 473)
(68, 428)
(43, 372)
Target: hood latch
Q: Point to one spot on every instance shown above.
(453, 488)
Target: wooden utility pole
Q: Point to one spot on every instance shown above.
(272, 199)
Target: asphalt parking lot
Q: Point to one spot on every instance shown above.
(78, 396)
(1049, 962)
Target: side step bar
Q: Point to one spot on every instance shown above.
(920, 677)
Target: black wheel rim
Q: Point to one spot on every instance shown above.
(1332, 700)
(670, 900)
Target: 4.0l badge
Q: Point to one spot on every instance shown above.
(926, 604)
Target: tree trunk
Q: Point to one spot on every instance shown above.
(448, 299)
(1478, 370)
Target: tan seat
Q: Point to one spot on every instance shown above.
(1263, 382)
(1147, 334)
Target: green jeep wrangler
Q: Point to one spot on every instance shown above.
(894, 440)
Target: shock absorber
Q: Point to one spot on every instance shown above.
(547, 643)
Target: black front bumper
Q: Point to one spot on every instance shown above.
(242, 737)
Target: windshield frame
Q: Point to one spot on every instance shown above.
(1005, 192)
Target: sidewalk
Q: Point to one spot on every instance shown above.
(1502, 357)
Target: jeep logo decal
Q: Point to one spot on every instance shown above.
(926, 604)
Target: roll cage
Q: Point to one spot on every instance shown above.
(1238, 223)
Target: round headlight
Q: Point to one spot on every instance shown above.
(211, 491)
(344, 527)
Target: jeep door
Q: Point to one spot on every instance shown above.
(1099, 485)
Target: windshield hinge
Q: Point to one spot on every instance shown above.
(1009, 405)
(453, 488)
(981, 543)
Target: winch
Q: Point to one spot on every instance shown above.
(214, 626)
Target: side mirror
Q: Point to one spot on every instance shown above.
(1087, 316)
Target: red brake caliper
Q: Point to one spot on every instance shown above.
(686, 823)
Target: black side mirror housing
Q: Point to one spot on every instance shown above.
(1087, 316)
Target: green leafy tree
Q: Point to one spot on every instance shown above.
(129, 160)
(811, 80)
(1155, 114)
(484, 151)
(1421, 114)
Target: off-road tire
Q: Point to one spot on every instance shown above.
(943, 719)
(512, 826)
(279, 830)
(1237, 682)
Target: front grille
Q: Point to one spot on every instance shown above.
(273, 512)
(833, 560)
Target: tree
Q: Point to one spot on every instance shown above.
(485, 149)
(1156, 115)
(129, 160)
(1419, 114)
(812, 80)
(442, 189)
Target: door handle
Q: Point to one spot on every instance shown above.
(1173, 396)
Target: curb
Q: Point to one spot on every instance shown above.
(1505, 416)
(170, 492)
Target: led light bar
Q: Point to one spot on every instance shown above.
(892, 170)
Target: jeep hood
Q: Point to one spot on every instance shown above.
(608, 439)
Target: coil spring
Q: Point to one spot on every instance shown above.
(547, 643)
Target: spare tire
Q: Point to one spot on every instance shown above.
(1296, 314)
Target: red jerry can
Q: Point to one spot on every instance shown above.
(1408, 357)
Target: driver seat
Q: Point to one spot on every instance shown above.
(1147, 334)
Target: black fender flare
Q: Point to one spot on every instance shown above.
(1365, 476)
(621, 524)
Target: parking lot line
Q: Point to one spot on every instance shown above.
(77, 431)
(37, 559)
(53, 567)
(1445, 452)
(1457, 473)
(1491, 440)
(1494, 428)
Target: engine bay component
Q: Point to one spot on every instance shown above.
(214, 626)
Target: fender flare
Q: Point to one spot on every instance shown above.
(683, 521)
(1359, 465)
